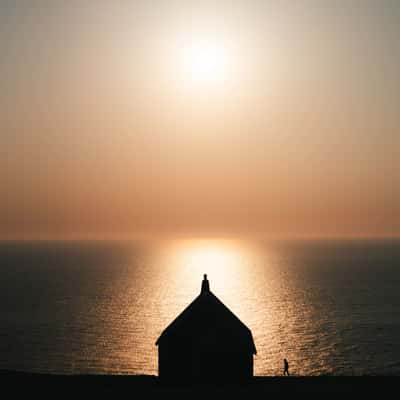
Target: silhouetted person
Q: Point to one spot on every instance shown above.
(285, 367)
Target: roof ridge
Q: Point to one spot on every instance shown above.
(207, 295)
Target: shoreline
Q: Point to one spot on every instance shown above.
(151, 384)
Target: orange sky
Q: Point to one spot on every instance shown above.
(100, 135)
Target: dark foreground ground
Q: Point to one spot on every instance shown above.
(148, 385)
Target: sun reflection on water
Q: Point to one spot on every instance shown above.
(249, 282)
(101, 308)
(258, 284)
(233, 269)
(222, 261)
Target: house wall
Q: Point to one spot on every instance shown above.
(177, 363)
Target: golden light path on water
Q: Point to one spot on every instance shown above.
(247, 281)
(98, 308)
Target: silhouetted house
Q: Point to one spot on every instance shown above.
(206, 342)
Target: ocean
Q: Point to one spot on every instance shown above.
(329, 307)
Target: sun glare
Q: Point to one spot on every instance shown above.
(205, 61)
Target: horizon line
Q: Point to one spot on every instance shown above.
(191, 236)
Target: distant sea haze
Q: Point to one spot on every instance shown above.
(328, 307)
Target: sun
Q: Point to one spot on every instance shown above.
(205, 61)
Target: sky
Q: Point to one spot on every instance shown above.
(111, 126)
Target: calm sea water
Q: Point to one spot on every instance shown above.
(328, 307)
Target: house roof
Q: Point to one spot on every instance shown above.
(208, 321)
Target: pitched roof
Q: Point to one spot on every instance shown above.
(209, 321)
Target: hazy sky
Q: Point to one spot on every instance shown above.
(104, 132)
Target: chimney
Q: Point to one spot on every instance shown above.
(205, 285)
